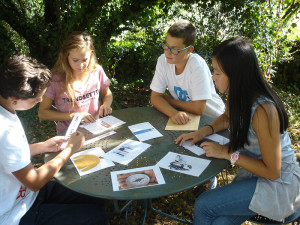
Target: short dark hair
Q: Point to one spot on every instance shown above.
(23, 77)
(183, 29)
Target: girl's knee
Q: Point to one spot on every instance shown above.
(200, 203)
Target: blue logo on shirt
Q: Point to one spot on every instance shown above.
(181, 94)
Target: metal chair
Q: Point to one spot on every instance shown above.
(293, 219)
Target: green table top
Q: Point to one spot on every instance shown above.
(99, 184)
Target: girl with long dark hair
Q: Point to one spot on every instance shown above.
(268, 181)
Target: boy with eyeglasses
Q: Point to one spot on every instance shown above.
(187, 77)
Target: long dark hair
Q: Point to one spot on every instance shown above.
(238, 61)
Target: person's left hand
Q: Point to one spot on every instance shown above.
(104, 110)
(215, 150)
(53, 144)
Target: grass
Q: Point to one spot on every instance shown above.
(178, 204)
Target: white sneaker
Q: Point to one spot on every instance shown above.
(213, 183)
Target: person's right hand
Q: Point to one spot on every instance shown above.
(195, 136)
(180, 118)
(87, 118)
(76, 140)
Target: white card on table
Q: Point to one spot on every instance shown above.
(193, 148)
(126, 152)
(89, 161)
(103, 124)
(136, 178)
(218, 138)
(183, 164)
(144, 131)
(198, 150)
(98, 138)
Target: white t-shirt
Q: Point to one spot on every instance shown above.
(195, 83)
(15, 198)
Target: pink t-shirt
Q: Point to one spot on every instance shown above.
(87, 95)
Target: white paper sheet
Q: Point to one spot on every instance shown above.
(136, 178)
(103, 124)
(199, 151)
(126, 152)
(218, 138)
(144, 131)
(72, 128)
(98, 138)
(183, 164)
(193, 148)
(89, 161)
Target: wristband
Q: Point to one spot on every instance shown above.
(234, 157)
(212, 128)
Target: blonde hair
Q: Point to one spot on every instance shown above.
(76, 40)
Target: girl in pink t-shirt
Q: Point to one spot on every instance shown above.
(77, 82)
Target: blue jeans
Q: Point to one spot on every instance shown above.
(57, 205)
(228, 205)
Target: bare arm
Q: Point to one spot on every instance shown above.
(35, 179)
(51, 145)
(107, 99)
(219, 124)
(159, 102)
(266, 126)
(46, 112)
(195, 107)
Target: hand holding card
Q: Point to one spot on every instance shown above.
(72, 128)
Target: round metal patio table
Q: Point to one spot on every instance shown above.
(99, 183)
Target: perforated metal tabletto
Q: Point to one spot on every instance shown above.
(99, 184)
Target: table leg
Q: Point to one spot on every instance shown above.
(185, 221)
(117, 208)
(225, 179)
(131, 208)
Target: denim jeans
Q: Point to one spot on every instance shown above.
(57, 205)
(228, 205)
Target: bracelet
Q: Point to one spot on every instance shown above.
(212, 128)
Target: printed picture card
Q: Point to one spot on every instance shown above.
(87, 142)
(193, 124)
(126, 152)
(198, 150)
(144, 131)
(103, 124)
(193, 148)
(136, 178)
(183, 164)
(89, 161)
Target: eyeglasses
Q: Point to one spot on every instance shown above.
(173, 50)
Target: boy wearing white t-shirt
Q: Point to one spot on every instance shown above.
(187, 77)
(26, 195)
